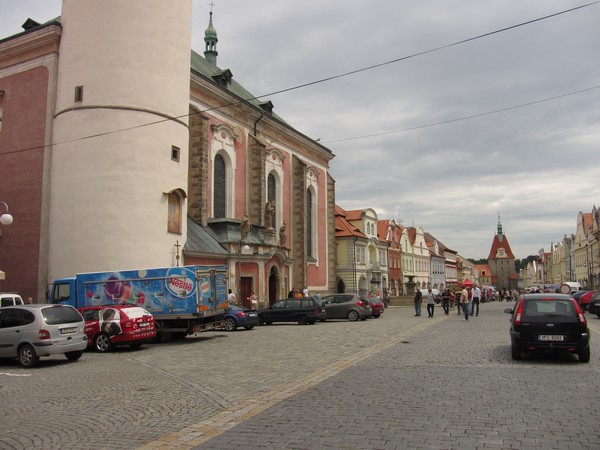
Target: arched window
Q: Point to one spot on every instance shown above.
(309, 224)
(219, 194)
(272, 196)
(174, 218)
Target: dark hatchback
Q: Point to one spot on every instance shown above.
(594, 305)
(549, 322)
(302, 310)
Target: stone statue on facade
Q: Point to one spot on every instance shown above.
(245, 227)
(269, 209)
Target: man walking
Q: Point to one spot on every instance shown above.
(446, 301)
(430, 303)
(464, 302)
(476, 297)
(418, 300)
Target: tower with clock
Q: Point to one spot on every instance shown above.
(502, 261)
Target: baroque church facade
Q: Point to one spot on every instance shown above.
(123, 148)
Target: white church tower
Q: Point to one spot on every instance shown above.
(120, 155)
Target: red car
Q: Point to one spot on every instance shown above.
(110, 325)
(584, 299)
(375, 303)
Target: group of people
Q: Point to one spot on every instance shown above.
(467, 300)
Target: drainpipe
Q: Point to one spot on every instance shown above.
(255, 123)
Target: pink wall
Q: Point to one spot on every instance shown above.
(21, 170)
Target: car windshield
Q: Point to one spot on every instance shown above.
(549, 308)
(55, 315)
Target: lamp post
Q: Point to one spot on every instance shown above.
(242, 245)
(6, 218)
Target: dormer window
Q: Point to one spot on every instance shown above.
(223, 78)
(267, 107)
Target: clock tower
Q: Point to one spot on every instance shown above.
(502, 261)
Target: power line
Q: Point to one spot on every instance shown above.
(345, 74)
(473, 116)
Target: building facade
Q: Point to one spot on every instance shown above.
(142, 153)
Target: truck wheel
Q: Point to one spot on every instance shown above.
(73, 356)
(27, 356)
(229, 324)
(102, 343)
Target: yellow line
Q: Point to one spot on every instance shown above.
(205, 430)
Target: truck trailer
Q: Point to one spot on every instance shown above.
(183, 300)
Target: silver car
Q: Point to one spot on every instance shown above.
(346, 306)
(30, 331)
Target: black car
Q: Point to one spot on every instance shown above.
(549, 322)
(302, 310)
(594, 305)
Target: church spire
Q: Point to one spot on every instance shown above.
(210, 41)
(499, 225)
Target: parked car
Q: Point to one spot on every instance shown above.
(7, 299)
(346, 306)
(110, 325)
(302, 310)
(549, 322)
(594, 304)
(238, 316)
(585, 299)
(28, 332)
(375, 303)
(577, 296)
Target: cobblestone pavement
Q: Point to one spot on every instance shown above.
(394, 382)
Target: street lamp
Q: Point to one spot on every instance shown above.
(6, 218)
(242, 245)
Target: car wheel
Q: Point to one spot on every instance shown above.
(352, 316)
(375, 316)
(248, 327)
(135, 344)
(102, 343)
(27, 356)
(229, 324)
(584, 355)
(598, 315)
(515, 352)
(73, 356)
(302, 320)
(311, 322)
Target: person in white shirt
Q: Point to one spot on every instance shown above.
(476, 299)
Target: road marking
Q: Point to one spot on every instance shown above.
(234, 415)
(15, 374)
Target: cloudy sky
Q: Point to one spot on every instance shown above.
(446, 137)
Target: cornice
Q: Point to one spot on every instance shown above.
(29, 45)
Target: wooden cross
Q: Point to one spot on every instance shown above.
(177, 252)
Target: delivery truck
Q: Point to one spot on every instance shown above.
(183, 300)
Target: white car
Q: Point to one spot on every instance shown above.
(10, 299)
(30, 331)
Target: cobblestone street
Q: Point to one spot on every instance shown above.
(395, 382)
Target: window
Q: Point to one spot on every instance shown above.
(78, 94)
(219, 184)
(272, 196)
(174, 219)
(175, 153)
(309, 223)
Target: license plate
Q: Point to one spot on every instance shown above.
(68, 330)
(251, 314)
(596, 303)
(551, 337)
(144, 324)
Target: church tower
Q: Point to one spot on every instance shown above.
(502, 261)
(210, 42)
(120, 155)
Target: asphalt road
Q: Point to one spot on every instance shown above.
(395, 382)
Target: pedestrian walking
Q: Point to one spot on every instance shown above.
(476, 297)
(464, 302)
(418, 300)
(430, 303)
(446, 301)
